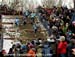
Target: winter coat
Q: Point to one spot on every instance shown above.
(33, 15)
(62, 47)
(69, 49)
(39, 52)
(31, 53)
(47, 51)
(17, 21)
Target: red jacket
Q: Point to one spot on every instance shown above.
(62, 47)
(31, 53)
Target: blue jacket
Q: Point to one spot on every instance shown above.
(47, 51)
(34, 26)
(17, 21)
(33, 15)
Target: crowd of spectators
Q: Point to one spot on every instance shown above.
(60, 25)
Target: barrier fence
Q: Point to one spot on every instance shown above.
(27, 55)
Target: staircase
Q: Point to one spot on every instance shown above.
(9, 31)
(25, 32)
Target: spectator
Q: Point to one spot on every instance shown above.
(3, 52)
(71, 48)
(39, 52)
(33, 14)
(27, 13)
(62, 47)
(35, 28)
(24, 48)
(68, 35)
(46, 51)
(17, 21)
(11, 52)
(31, 52)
